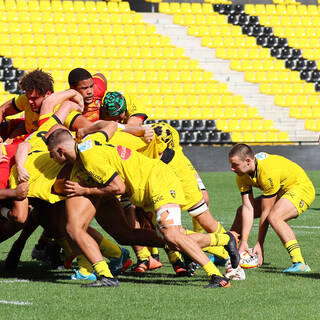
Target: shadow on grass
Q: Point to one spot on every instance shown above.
(277, 270)
(33, 271)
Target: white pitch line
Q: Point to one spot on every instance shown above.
(17, 303)
(14, 280)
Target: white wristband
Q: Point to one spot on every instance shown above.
(121, 126)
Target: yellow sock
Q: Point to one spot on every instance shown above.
(219, 251)
(109, 249)
(64, 244)
(84, 265)
(102, 269)
(220, 228)
(219, 239)
(173, 256)
(154, 251)
(196, 226)
(143, 254)
(294, 251)
(211, 269)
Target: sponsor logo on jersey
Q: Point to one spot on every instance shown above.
(124, 152)
(156, 199)
(261, 155)
(173, 193)
(301, 204)
(86, 145)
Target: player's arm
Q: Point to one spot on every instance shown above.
(266, 207)
(7, 109)
(65, 108)
(140, 131)
(134, 121)
(21, 157)
(108, 127)
(56, 98)
(247, 219)
(19, 193)
(113, 188)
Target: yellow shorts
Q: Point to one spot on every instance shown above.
(187, 176)
(163, 187)
(301, 196)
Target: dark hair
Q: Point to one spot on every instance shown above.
(242, 151)
(37, 80)
(57, 137)
(77, 75)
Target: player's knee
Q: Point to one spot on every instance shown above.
(72, 230)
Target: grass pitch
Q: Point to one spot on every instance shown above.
(36, 292)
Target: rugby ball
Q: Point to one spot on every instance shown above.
(247, 261)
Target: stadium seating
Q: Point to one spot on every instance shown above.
(61, 35)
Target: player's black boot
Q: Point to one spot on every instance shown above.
(102, 281)
(233, 251)
(218, 281)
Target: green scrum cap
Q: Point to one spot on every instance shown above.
(114, 103)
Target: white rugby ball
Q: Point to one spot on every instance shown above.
(247, 261)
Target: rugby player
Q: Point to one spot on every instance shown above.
(287, 192)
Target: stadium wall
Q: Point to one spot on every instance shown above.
(213, 158)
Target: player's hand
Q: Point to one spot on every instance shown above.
(243, 246)
(4, 158)
(148, 134)
(78, 99)
(73, 189)
(22, 191)
(258, 249)
(80, 133)
(23, 174)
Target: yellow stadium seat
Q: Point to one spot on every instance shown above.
(272, 137)
(268, 125)
(249, 137)
(33, 5)
(157, 100)
(180, 100)
(185, 8)
(174, 7)
(237, 137)
(233, 125)
(283, 136)
(310, 124)
(10, 5)
(192, 100)
(256, 125)
(245, 125)
(164, 7)
(222, 124)
(196, 8)
(260, 137)
(217, 112)
(112, 6)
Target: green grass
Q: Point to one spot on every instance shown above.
(267, 293)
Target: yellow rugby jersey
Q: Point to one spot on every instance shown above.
(167, 135)
(42, 169)
(104, 162)
(272, 173)
(133, 109)
(31, 118)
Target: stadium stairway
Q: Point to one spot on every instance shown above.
(236, 82)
